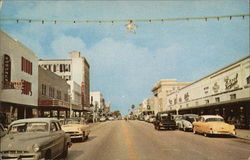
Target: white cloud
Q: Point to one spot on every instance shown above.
(62, 45)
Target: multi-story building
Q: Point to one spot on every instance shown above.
(19, 79)
(225, 92)
(53, 95)
(75, 71)
(97, 100)
(162, 88)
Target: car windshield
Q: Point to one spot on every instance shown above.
(29, 127)
(166, 118)
(191, 119)
(215, 119)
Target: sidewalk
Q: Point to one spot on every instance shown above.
(243, 133)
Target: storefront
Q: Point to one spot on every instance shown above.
(19, 80)
(225, 92)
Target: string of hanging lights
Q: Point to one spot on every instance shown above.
(130, 26)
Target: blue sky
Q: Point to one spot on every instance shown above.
(125, 66)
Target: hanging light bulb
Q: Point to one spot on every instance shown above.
(131, 27)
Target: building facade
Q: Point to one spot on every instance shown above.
(19, 79)
(53, 95)
(75, 71)
(163, 88)
(225, 92)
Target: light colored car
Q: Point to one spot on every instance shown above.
(213, 124)
(76, 129)
(185, 123)
(152, 119)
(102, 119)
(111, 118)
(35, 139)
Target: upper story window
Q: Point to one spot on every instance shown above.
(248, 80)
(232, 96)
(43, 89)
(217, 99)
(58, 94)
(26, 66)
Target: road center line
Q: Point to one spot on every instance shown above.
(129, 142)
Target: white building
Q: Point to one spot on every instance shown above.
(76, 71)
(19, 79)
(97, 100)
(225, 92)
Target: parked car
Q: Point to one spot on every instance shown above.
(2, 130)
(76, 128)
(102, 119)
(213, 124)
(111, 118)
(152, 119)
(185, 123)
(35, 138)
(164, 120)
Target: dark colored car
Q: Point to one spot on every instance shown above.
(164, 120)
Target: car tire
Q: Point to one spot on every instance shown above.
(65, 152)
(48, 155)
(194, 131)
(206, 134)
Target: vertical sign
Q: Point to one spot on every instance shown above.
(6, 71)
(83, 94)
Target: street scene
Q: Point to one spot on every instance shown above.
(137, 140)
(124, 80)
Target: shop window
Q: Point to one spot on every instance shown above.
(54, 68)
(217, 99)
(232, 96)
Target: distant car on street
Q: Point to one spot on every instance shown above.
(34, 138)
(152, 119)
(102, 119)
(185, 122)
(164, 120)
(76, 128)
(213, 125)
(111, 118)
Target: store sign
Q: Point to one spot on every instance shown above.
(6, 71)
(206, 89)
(230, 83)
(26, 88)
(186, 96)
(216, 87)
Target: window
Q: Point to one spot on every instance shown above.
(66, 97)
(51, 92)
(58, 94)
(248, 80)
(43, 89)
(61, 68)
(26, 66)
(207, 101)
(54, 68)
(217, 99)
(53, 127)
(232, 96)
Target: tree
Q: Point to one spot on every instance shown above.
(132, 106)
(116, 113)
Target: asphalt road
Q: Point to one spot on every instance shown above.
(138, 140)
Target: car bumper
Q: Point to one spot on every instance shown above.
(25, 156)
(222, 133)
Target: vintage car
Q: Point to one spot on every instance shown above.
(213, 124)
(185, 123)
(76, 129)
(164, 120)
(103, 119)
(35, 139)
(2, 131)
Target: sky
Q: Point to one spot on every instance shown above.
(125, 66)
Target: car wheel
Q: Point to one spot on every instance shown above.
(48, 155)
(206, 135)
(194, 131)
(184, 129)
(65, 152)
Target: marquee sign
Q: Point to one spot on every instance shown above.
(6, 71)
(230, 83)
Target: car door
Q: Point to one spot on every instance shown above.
(55, 135)
(199, 124)
(61, 134)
